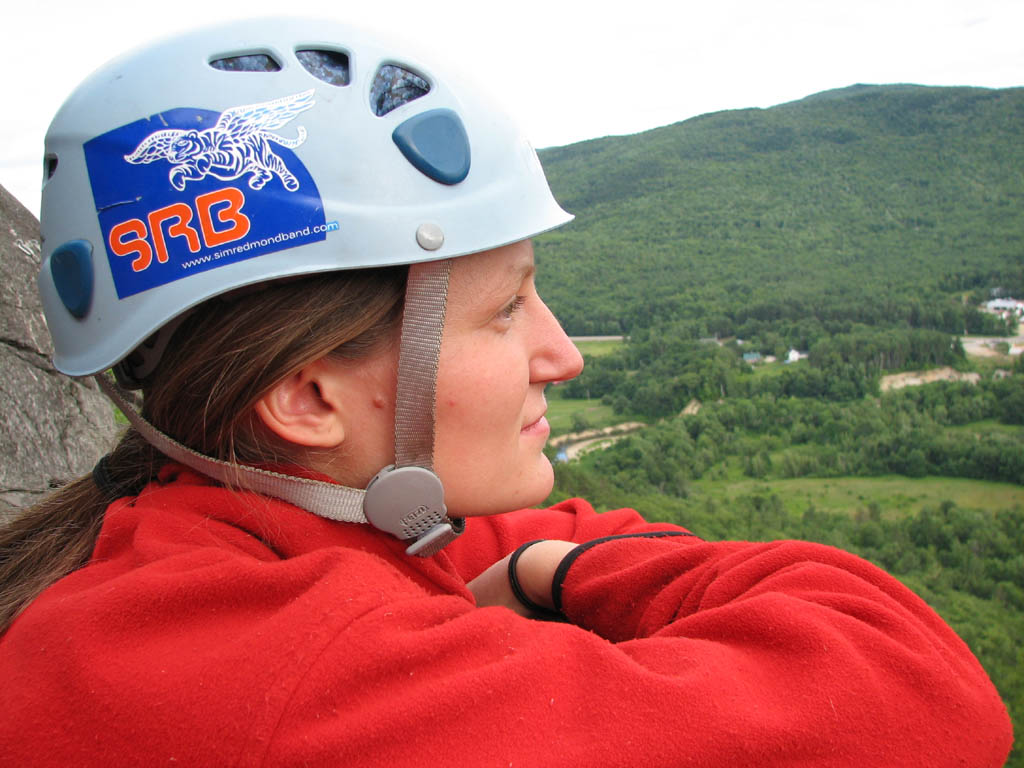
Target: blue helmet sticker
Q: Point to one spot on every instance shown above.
(189, 190)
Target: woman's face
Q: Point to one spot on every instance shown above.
(501, 347)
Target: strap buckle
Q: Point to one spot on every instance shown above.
(408, 503)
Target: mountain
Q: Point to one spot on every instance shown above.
(878, 205)
(865, 225)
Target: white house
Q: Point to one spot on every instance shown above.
(1006, 307)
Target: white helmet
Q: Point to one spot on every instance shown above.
(265, 149)
(258, 150)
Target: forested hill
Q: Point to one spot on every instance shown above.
(878, 205)
(863, 226)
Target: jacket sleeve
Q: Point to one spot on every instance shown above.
(488, 539)
(677, 652)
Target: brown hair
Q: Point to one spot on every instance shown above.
(221, 360)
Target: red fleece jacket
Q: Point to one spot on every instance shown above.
(219, 628)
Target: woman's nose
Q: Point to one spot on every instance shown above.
(556, 357)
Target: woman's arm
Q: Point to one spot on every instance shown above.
(677, 652)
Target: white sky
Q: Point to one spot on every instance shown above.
(571, 70)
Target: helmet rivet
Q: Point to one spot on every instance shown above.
(429, 236)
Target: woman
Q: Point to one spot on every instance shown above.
(303, 245)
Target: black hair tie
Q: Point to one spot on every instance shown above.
(101, 477)
(538, 611)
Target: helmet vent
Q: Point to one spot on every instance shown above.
(252, 62)
(394, 86)
(49, 167)
(329, 66)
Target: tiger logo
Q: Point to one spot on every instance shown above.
(240, 143)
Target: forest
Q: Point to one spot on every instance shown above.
(657, 374)
(756, 468)
(863, 228)
(884, 206)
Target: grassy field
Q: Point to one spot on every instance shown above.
(894, 495)
(598, 348)
(988, 426)
(987, 366)
(560, 413)
(769, 370)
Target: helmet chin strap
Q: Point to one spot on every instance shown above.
(405, 499)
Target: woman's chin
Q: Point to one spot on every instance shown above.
(496, 500)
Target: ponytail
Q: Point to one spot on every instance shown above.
(56, 536)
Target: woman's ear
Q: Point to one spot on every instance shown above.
(305, 408)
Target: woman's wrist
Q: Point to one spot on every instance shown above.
(531, 570)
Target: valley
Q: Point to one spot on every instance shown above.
(868, 227)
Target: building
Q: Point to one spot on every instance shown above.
(1006, 308)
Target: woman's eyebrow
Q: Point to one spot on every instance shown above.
(524, 268)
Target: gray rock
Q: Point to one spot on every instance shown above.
(53, 428)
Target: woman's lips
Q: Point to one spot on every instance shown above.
(538, 427)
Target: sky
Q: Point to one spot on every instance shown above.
(569, 70)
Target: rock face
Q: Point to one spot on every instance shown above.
(52, 428)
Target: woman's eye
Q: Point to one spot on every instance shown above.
(512, 307)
